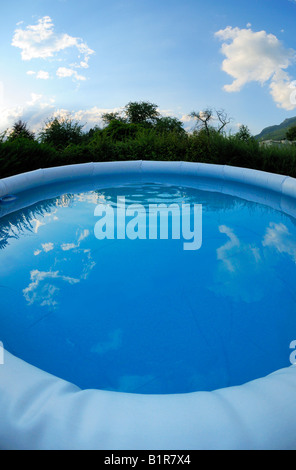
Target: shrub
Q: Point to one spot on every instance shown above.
(61, 132)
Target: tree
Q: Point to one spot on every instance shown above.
(169, 124)
(4, 135)
(20, 130)
(223, 119)
(291, 134)
(107, 118)
(141, 112)
(244, 134)
(206, 117)
(120, 130)
(61, 132)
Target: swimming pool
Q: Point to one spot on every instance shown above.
(142, 316)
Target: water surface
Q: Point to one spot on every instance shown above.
(145, 316)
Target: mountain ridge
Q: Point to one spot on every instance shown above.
(277, 132)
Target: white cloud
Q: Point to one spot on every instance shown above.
(93, 115)
(35, 98)
(64, 72)
(280, 89)
(85, 234)
(40, 41)
(45, 295)
(40, 108)
(279, 237)
(223, 251)
(47, 247)
(240, 273)
(68, 246)
(42, 75)
(257, 57)
(71, 246)
(35, 112)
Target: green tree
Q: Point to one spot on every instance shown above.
(244, 134)
(291, 134)
(61, 132)
(4, 135)
(107, 118)
(20, 131)
(141, 112)
(169, 124)
(120, 130)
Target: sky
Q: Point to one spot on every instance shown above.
(84, 58)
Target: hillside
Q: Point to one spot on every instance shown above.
(277, 132)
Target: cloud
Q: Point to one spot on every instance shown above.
(41, 75)
(45, 295)
(72, 246)
(47, 247)
(64, 72)
(223, 251)
(113, 343)
(35, 112)
(281, 91)
(278, 236)
(40, 108)
(257, 57)
(85, 234)
(240, 273)
(68, 246)
(40, 41)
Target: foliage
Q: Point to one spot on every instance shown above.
(107, 118)
(61, 132)
(277, 132)
(291, 134)
(4, 136)
(120, 130)
(244, 134)
(169, 124)
(20, 131)
(63, 142)
(142, 112)
(21, 155)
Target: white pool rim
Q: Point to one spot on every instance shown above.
(41, 412)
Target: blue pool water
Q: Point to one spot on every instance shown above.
(146, 316)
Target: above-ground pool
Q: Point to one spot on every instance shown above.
(186, 334)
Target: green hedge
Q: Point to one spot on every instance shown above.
(22, 155)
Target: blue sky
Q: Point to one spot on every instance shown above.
(87, 57)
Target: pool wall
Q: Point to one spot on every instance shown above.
(269, 181)
(39, 411)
